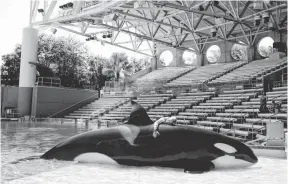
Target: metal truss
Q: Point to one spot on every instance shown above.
(181, 24)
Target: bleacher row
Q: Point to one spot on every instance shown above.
(204, 74)
(234, 113)
(252, 69)
(231, 112)
(162, 74)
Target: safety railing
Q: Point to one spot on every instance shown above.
(231, 114)
(280, 83)
(48, 81)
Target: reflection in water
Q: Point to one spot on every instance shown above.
(20, 140)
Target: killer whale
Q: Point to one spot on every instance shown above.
(190, 148)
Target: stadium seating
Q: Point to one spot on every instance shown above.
(204, 74)
(253, 69)
(193, 98)
(97, 107)
(161, 75)
(148, 101)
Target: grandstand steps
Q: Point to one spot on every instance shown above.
(227, 71)
(96, 108)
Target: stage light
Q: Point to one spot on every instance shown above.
(109, 35)
(103, 36)
(271, 26)
(87, 39)
(257, 20)
(213, 32)
(266, 17)
(53, 30)
(215, 3)
(115, 17)
(201, 8)
(41, 11)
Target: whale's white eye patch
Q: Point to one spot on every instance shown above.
(225, 147)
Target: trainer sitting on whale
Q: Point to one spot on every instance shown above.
(190, 148)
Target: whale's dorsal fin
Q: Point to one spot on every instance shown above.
(139, 116)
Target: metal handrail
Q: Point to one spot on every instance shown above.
(251, 106)
(72, 105)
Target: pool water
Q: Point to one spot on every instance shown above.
(30, 140)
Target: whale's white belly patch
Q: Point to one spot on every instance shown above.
(229, 162)
(94, 157)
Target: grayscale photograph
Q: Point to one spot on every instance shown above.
(144, 92)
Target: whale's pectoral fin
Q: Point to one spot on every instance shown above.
(199, 167)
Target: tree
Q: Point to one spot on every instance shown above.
(96, 75)
(65, 56)
(11, 63)
(239, 52)
(114, 65)
(139, 64)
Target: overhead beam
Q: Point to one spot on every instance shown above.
(50, 10)
(72, 17)
(144, 37)
(183, 8)
(283, 21)
(240, 15)
(201, 17)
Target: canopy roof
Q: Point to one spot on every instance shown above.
(186, 25)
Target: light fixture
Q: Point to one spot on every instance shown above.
(103, 36)
(213, 31)
(200, 7)
(109, 35)
(258, 5)
(41, 11)
(257, 20)
(53, 30)
(66, 6)
(271, 26)
(215, 3)
(265, 17)
(115, 17)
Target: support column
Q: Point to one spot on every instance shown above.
(27, 76)
(153, 63)
(200, 59)
(250, 53)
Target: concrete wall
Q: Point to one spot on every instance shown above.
(9, 97)
(225, 47)
(49, 100)
(177, 57)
